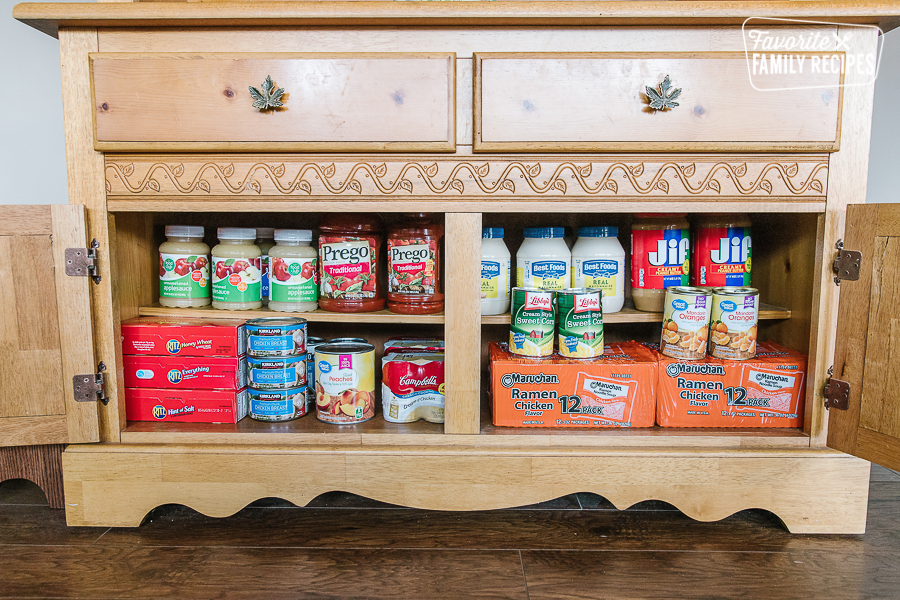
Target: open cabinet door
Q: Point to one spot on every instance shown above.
(867, 348)
(45, 316)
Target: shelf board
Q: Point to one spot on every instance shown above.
(629, 314)
(316, 316)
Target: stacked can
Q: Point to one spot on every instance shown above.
(311, 344)
(277, 372)
(580, 322)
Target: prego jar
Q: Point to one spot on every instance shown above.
(265, 240)
(236, 279)
(598, 261)
(660, 244)
(293, 272)
(184, 268)
(414, 266)
(543, 260)
(349, 245)
(495, 270)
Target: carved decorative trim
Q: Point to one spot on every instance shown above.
(614, 176)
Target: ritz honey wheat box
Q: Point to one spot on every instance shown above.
(617, 389)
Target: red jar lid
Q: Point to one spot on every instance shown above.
(356, 222)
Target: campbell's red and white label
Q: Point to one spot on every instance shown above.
(538, 301)
(659, 258)
(411, 266)
(348, 267)
(587, 302)
(413, 387)
(722, 257)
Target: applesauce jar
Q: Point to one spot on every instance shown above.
(184, 268)
(660, 245)
(265, 239)
(236, 280)
(414, 266)
(293, 280)
(349, 247)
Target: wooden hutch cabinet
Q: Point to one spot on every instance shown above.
(504, 114)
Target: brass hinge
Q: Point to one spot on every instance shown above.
(846, 264)
(82, 262)
(837, 392)
(91, 386)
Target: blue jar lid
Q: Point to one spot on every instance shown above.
(598, 232)
(491, 232)
(544, 232)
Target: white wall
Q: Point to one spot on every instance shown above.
(32, 150)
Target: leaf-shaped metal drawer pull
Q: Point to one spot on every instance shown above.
(268, 97)
(663, 97)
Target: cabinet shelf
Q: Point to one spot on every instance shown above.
(629, 314)
(316, 316)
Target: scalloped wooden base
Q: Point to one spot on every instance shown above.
(810, 490)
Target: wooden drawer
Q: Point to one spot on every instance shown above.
(332, 102)
(597, 102)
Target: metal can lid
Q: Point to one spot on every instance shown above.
(531, 289)
(291, 391)
(347, 340)
(275, 321)
(687, 290)
(291, 360)
(735, 291)
(345, 348)
(314, 340)
(574, 291)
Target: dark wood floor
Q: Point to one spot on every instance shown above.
(343, 546)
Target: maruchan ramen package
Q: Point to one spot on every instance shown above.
(617, 389)
(185, 406)
(765, 391)
(183, 337)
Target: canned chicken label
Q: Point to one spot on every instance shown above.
(659, 258)
(722, 256)
(580, 323)
(277, 405)
(685, 323)
(413, 387)
(533, 322)
(732, 329)
(276, 336)
(277, 373)
(345, 383)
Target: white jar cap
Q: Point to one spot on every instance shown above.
(264, 233)
(236, 233)
(190, 231)
(293, 235)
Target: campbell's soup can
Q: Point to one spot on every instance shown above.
(311, 344)
(277, 405)
(276, 336)
(580, 323)
(345, 383)
(685, 323)
(532, 322)
(721, 252)
(732, 329)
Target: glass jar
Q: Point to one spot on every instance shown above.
(660, 245)
(598, 261)
(495, 271)
(414, 266)
(543, 260)
(294, 285)
(236, 280)
(721, 251)
(349, 247)
(184, 268)
(265, 240)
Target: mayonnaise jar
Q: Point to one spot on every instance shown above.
(495, 270)
(543, 260)
(598, 261)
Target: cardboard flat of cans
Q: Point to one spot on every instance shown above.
(617, 389)
(765, 391)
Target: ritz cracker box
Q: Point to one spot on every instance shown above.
(765, 391)
(186, 406)
(153, 336)
(617, 389)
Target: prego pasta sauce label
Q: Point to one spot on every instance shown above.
(411, 264)
(659, 258)
(348, 267)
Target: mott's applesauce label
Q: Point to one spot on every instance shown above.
(659, 258)
(293, 280)
(722, 256)
(580, 323)
(685, 323)
(183, 276)
(411, 265)
(733, 325)
(598, 273)
(345, 383)
(235, 280)
(532, 322)
(349, 267)
(543, 274)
